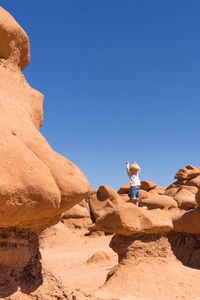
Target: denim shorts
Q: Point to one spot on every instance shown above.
(135, 192)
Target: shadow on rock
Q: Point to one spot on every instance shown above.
(19, 262)
(186, 248)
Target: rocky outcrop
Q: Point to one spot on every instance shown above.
(185, 188)
(158, 201)
(103, 200)
(78, 216)
(197, 197)
(187, 222)
(19, 261)
(153, 242)
(128, 219)
(14, 41)
(36, 184)
(180, 194)
(147, 185)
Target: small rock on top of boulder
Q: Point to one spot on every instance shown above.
(158, 201)
(103, 200)
(147, 185)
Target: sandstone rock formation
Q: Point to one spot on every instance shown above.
(36, 184)
(128, 219)
(197, 197)
(187, 222)
(78, 216)
(14, 41)
(153, 267)
(154, 246)
(185, 188)
(103, 200)
(147, 185)
(158, 201)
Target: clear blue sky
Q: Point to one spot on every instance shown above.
(121, 81)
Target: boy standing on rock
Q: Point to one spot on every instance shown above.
(133, 174)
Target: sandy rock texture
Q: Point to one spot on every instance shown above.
(158, 201)
(197, 197)
(185, 188)
(78, 216)
(36, 184)
(14, 41)
(158, 249)
(103, 200)
(153, 267)
(129, 219)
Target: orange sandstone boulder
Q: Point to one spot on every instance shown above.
(194, 182)
(192, 189)
(188, 172)
(124, 189)
(182, 174)
(159, 201)
(129, 219)
(185, 199)
(188, 222)
(76, 212)
(125, 197)
(176, 184)
(14, 43)
(171, 191)
(36, 184)
(155, 191)
(158, 190)
(197, 197)
(104, 200)
(144, 194)
(186, 187)
(147, 185)
(194, 173)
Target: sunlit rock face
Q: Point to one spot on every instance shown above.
(36, 183)
(154, 245)
(14, 41)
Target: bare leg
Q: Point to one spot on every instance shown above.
(134, 201)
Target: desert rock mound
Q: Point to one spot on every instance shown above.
(36, 184)
(103, 200)
(14, 43)
(158, 249)
(128, 219)
(153, 267)
(185, 188)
